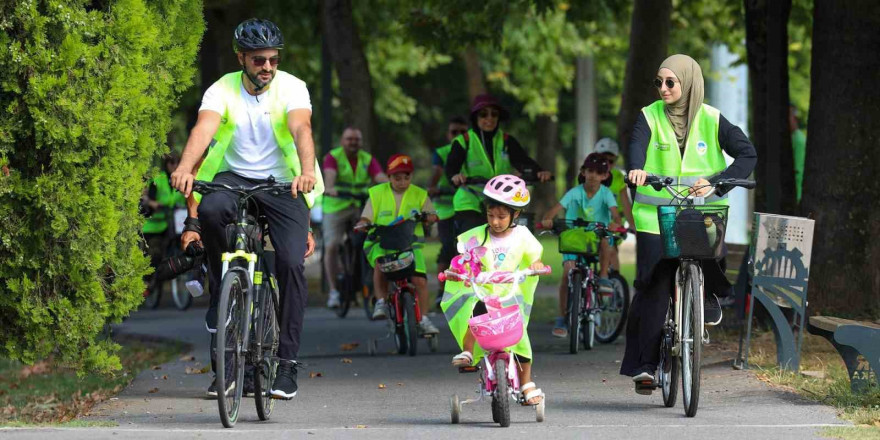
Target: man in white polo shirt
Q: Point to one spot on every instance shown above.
(254, 116)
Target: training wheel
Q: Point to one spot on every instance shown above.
(456, 408)
(539, 411)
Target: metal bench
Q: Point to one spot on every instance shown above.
(858, 344)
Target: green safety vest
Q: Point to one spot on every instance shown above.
(166, 197)
(235, 106)
(477, 164)
(617, 184)
(354, 181)
(458, 300)
(703, 158)
(385, 211)
(443, 202)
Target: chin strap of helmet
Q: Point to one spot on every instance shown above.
(258, 85)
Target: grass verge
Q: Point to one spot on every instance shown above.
(50, 394)
(823, 378)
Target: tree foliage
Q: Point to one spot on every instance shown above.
(86, 91)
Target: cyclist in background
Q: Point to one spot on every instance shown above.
(159, 199)
(254, 116)
(443, 202)
(346, 168)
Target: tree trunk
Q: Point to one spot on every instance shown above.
(648, 38)
(767, 47)
(547, 131)
(843, 160)
(353, 72)
(476, 84)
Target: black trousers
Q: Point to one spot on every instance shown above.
(288, 220)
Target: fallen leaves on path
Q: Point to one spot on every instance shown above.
(188, 358)
(315, 374)
(346, 360)
(382, 386)
(156, 367)
(349, 347)
(153, 391)
(41, 367)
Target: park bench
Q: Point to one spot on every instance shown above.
(858, 344)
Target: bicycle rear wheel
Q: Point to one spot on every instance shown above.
(179, 293)
(347, 285)
(230, 360)
(692, 338)
(575, 296)
(668, 369)
(612, 316)
(410, 324)
(267, 331)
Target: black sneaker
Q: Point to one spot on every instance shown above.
(285, 382)
(212, 390)
(711, 310)
(249, 387)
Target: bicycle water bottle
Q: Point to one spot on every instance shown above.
(667, 231)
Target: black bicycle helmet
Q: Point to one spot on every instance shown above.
(255, 34)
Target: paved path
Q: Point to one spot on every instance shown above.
(586, 396)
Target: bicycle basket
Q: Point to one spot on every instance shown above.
(578, 241)
(397, 266)
(496, 330)
(399, 237)
(692, 231)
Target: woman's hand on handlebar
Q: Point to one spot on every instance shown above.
(459, 179)
(637, 177)
(700, 188)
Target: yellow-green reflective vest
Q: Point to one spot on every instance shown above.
(167, 198)
(385, 211)
(235, 107)
(458, 300)
(356, 181)
(443, 202)
(477, 164)
(703, 158)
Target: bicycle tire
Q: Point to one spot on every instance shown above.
(588, 329)
(668, 369)
(179, 293)
(501, 395)
(233, 290)
(153, 296)
(346, 288)
(575, 296)
(267, 367)
(400, 339)
(692, 329)
(614, 314)
(410, 325)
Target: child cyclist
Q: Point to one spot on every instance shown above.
(398, 199)
(590, 201)
(510, 248)
(609, 149)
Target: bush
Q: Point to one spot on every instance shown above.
(87, 89)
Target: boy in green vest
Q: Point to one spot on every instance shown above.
(593, 202)
(389, 202)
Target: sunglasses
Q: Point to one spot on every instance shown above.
(659, 83)
(488, 114)
(261, 61)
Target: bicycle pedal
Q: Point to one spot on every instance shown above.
(647, 385)
(470, 369)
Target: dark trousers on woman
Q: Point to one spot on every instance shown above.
(288, 220)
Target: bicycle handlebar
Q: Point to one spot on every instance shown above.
(272, 187)
(726, 184)
(499, 277)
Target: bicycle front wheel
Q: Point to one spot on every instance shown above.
(410, 324)
(228, 351)
(692, 338)
(613, 310)
(501, 398)
(669, 364)
(575, 296)
(267, 334)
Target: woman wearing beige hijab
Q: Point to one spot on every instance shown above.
(681, 137)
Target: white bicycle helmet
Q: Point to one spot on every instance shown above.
(508, 190)
(607, 145)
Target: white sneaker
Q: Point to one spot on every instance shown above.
(427, 326)
(381, 310)
(333, 299)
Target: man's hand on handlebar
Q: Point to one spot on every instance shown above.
(303, 183)
(544, 176)
(182, 180)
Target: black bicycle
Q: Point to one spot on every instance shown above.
(591, 315)
(248, 301)
(354, 280)
(690, 231)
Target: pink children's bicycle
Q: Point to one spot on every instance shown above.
(496, 331)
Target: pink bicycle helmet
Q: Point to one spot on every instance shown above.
(508, 190)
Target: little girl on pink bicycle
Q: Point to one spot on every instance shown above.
(500, 245)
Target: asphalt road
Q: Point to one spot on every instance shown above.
(586, 398)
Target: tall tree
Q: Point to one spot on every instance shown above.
(648, 39)
(349, 59)
(476, 85)
(843, 160)
(767, 47)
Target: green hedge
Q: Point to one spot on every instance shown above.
(87, 89)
